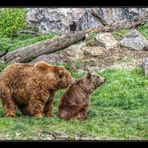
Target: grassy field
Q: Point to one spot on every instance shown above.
(118, 110)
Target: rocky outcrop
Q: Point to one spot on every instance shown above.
(134, 40)
(63, 19)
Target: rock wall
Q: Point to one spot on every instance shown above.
(60, 19)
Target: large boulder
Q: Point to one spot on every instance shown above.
(134, 40)
(60, 19)
(74, 52)
(106, 40)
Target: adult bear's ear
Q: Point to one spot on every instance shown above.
(88, 75)
(42, 65)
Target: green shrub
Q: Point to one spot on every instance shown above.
(12, 20)
(5, 43)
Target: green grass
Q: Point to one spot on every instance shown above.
(119, 34)
(118, 110)
(92, 36)
(2, 66)
(144, 30)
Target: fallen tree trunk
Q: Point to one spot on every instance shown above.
(25, 54)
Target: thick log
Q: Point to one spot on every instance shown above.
(25, 54)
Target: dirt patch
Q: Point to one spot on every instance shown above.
(116, 58)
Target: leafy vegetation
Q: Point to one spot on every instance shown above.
(2, 66)
(144, 30)
(12, 20)
(118, 110)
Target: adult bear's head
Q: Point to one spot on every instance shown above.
(59, 74)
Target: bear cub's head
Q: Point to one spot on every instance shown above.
(90, 82)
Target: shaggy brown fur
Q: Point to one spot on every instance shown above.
(75, 101)
(31, 87)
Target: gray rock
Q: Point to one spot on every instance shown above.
(92, 51)
(74, 52)
(145, 66)
(53, 58)
(107, 40)
(60, 19)
(135, 40)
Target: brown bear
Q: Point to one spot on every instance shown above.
(73, 104)
(31, 87)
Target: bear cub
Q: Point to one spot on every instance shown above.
(74, 103)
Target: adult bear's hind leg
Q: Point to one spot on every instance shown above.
(7, 102)
(37, 103)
